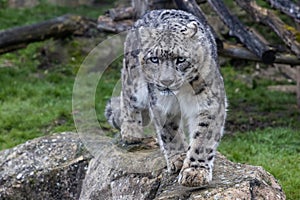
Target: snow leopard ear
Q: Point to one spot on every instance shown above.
(191, 29)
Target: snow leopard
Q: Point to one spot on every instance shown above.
(171, 77)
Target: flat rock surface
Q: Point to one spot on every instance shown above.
(61, 167)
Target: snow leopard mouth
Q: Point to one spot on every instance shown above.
(166, 92)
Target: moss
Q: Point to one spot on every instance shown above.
(295, 32)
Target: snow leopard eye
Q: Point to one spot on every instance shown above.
(154, 60)
(180, 60)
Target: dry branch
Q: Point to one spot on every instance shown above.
(265, 16)
(63, 26)
(237, 29)
(287, 7)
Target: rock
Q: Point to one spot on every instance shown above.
(60, 167)
(142, 175)
(51, 167)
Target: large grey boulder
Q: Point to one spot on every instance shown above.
(61, 167)
(51, 167)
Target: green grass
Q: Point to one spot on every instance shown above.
(277, 150)
(35, 100)
(32, 102)
(10, 17)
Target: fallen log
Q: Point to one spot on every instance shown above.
(106, 24)
(239, 52)
(121, 13)
(19, 37)
(287, 7)
(237, 29)
(286, 33)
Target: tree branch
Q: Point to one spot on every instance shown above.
(251, 41)
(287, 7)
(286, 33)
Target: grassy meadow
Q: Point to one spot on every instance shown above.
(263, 126)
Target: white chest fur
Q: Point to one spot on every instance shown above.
(183, 101)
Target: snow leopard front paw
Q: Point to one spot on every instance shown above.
(176, 162)
(130, 140)
(131, 134)
(194, 177)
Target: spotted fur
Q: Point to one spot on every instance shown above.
(171, 73)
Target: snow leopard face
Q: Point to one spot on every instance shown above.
(171, 50)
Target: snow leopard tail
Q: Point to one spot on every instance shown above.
(113, 112)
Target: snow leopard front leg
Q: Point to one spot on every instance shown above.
(169, 133)
(206, 130)
(133, 104)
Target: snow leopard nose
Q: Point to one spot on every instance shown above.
(166, 77)
(167, 82)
